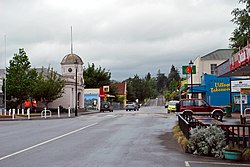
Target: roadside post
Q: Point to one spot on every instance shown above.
(28, 113)
(69, 111)
(13, 113)
(58, 112)
(9, 112)
(22, 111)
(18, 111)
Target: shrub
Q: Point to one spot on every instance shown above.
(207, 141)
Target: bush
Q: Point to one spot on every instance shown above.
(207, 141)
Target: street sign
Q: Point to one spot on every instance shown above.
(1, 85)
(244, 90)
(185, 71)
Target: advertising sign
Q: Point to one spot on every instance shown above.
(245, 91)
(185, 70)
(237, 99)
(237, 85)
(1, 85)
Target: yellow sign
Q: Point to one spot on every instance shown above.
(105, 97)
(244, 90)
(220, 87)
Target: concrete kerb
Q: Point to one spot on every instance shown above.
(55, 116)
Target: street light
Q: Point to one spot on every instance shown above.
(191, 75)
(76, 66)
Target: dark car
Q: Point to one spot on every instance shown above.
(106, 106)
(199, 106)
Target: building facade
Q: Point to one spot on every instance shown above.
(208, 63)
(72, 73)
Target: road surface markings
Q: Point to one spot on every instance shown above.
(187, 163)
(47, 141)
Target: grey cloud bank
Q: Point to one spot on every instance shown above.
(126, 37)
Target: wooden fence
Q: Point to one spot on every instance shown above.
(237, 135)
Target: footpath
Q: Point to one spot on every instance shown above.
(43, 116)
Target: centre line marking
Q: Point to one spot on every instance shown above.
(48, 141)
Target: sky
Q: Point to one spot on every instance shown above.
(126, 37)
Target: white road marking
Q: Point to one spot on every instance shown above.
(187, 163)
(47, 141)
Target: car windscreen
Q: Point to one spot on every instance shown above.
(173, 102)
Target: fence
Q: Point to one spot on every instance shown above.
(236, 135)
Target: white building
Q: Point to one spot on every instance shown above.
(71, 67)
(208, 63)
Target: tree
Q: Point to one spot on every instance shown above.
(96, 77)
(48, 86)
(141, 88)
(161, 82)
(241, 35)
(173, 79)
(20, 78)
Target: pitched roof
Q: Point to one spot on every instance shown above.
(121, 88)
(219, 54)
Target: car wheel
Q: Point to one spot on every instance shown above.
(218, 115)
(187, 115)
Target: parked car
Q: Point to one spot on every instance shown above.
(172, 105)
(132, 106)
(199, 106)
(106, 106)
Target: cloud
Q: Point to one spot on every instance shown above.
(125, 36)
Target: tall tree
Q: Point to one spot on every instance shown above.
(161, 82)
(174, 74)
(20, 77)
(48, 86)
(241, 18)
(96, 77)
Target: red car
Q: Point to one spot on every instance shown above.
(199, 106)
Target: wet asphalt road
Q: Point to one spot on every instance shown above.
(119, 139)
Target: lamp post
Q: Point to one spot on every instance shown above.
(76, 65)
(191, 75)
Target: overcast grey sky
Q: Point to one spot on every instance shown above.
(126, 37)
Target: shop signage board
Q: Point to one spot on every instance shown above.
(244, 90)
(1, 85)
(186, 71)
(237, 85)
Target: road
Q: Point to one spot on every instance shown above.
(119, 139)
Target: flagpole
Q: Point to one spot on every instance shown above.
(5, 93)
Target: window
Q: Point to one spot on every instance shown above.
(187, 103)
(213, 67)
(200, 103)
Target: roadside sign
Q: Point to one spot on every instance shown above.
(1, 85)
(185, 69)
(244, 90)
